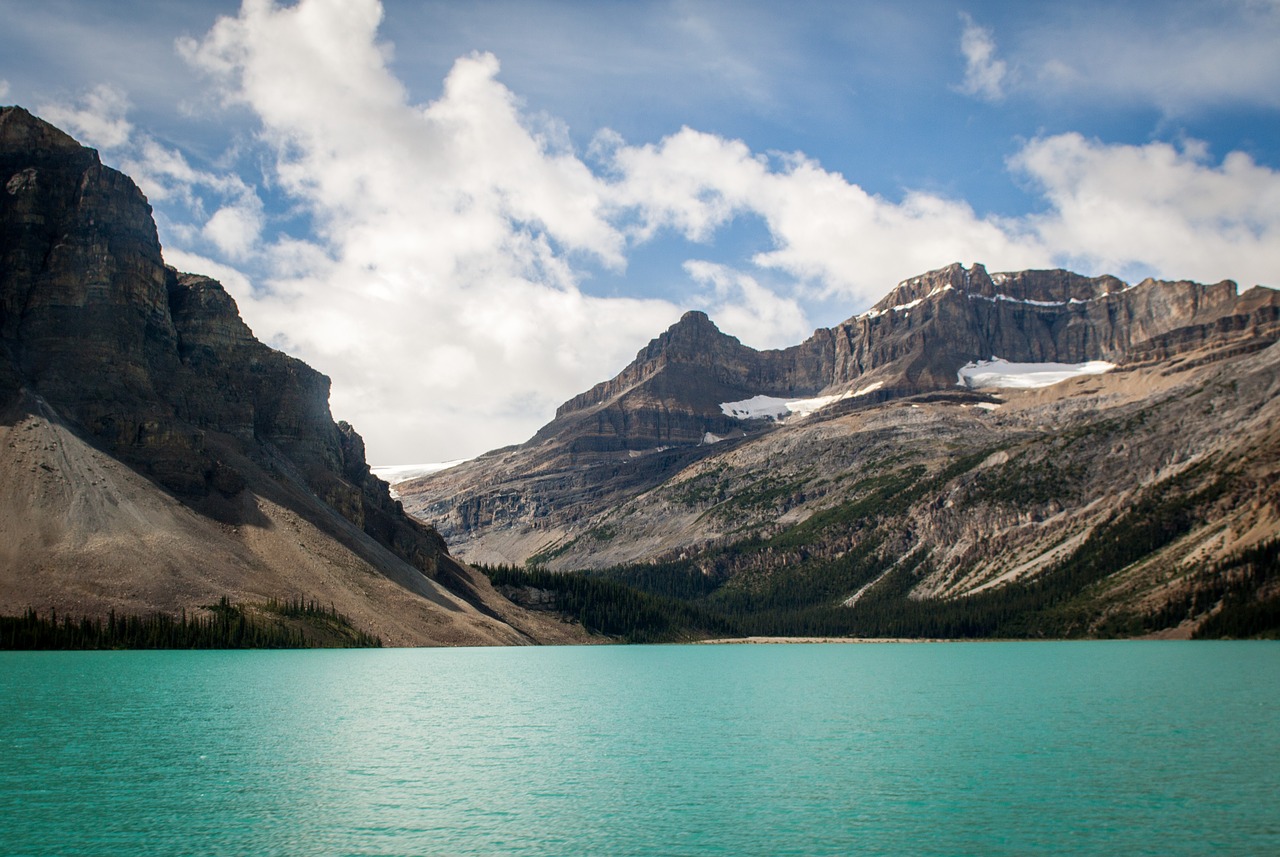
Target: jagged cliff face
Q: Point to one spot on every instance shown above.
(633, 433)
(105, 350)
(1114, 503)
(916, 338)
(146, 359)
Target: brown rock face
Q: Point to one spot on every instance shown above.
(670, 394)
(156, 369)
(150, 361)
(629, 434)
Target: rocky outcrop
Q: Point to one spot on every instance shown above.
(628, 435)
(670, 394)
(145, 359)
(83, 292)
(914, 340)
(156, 369)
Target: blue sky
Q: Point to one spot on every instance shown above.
(465, 213)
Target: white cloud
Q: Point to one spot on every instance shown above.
(235, 228)
(97, 119)
(984, 74)
(438, 289)
(741, 307)
(4, 88)
(1156, 207)
(825, 229)
(1129, 210)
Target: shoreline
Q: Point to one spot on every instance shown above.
(730, 641)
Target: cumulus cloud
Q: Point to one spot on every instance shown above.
(206, 209)
(1156, 207)
(439, 277)
(742, 307)
(825, 229)
(439, 286)
(235, 228)
(97, 118)
(984, 74)
(1131, 210)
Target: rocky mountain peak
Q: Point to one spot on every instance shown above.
(694, 318)
(694, 338)
(19, 129)
(954, 277)
(155, 369)
(1050, 286)
(693, 341)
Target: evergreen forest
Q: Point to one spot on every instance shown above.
(290, 624)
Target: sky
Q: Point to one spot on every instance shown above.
(466, 213)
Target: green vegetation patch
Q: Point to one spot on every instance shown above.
(607, 607)
(795, 583)
(1026, 481)
(1237, 598)
(889, 494)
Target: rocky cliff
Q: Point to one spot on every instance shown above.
(663, 413)
(106, 351)
(1140, 500)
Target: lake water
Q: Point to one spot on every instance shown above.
(1116, 748)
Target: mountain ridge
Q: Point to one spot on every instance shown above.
(158, 456)
(641, 426)
(903, 461)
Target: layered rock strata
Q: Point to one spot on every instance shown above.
(102, 343)
(629, 434)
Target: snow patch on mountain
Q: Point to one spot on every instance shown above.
(870, 388)
(909, 305)
(996, 372)
(776, 409)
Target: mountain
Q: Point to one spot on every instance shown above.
(156, 457)
(890, 461)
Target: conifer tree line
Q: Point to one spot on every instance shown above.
(675, 601)
(224, 626)
(798, 581)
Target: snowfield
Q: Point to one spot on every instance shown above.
(1001, 373)
(773, 408)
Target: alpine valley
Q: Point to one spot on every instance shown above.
(1022, 454)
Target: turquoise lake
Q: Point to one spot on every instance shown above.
(1116, 748)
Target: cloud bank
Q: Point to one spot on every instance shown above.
(440, 272)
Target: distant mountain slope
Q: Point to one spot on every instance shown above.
(632, 433)
(156, 456)
(912, 465)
